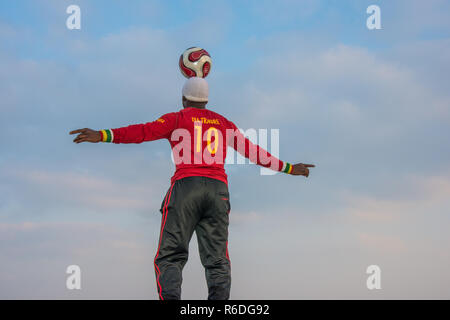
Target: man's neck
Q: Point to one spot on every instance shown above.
(199, 105)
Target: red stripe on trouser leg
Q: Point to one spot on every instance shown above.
(163, 223)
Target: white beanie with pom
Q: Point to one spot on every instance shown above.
(196, 89)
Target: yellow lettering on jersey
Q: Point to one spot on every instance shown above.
(206, 120)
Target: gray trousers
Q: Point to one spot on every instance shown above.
(201, 204)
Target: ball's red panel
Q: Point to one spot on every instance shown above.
(194, 56)
(206, 69)
(185, 70)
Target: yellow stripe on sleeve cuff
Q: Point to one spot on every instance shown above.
(107, 135)
(287, 168)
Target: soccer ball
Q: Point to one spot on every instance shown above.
(195, 62)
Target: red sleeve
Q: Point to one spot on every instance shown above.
(137, 133)
(248, 149)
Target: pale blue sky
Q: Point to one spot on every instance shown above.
(370, 108)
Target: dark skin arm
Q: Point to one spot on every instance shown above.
(89, 135)
(301, 169)
(86, 135)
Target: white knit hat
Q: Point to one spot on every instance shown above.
(196, 89)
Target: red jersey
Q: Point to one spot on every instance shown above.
(199, 139)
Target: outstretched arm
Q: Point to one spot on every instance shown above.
(135, 133)
(258, 155)
(87, 135)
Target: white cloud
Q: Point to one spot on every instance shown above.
(415, 196)
(72, 189)
(115, 263)
(238, 218)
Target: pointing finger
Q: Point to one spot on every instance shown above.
(77, 131)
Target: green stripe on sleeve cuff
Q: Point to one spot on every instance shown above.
(287, 168)
(107, 135)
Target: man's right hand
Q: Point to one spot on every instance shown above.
(301, 169)
(86, 135)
